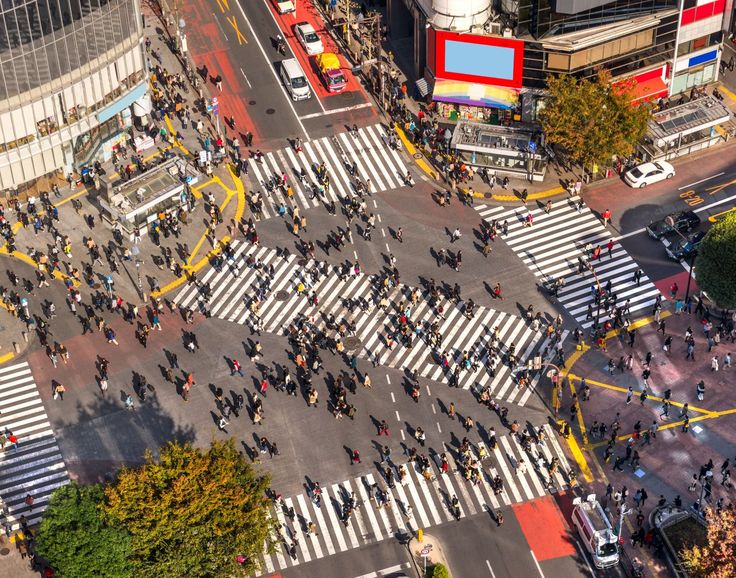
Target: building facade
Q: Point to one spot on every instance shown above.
(70, 72)
(667, 46)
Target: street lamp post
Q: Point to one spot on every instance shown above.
(600, 294)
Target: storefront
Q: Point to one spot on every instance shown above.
(695, 70)
(505, 151)
(475, 78)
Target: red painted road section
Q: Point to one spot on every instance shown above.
(681, 279)
(307, 12)
(545, 530)
(205, 45)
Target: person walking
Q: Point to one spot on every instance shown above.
(59, 391)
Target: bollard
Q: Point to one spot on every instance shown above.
(25, 335)
(420, 535)
(16, 346)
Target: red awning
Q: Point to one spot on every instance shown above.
(649, 89)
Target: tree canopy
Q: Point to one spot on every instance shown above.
(591, 119)
(76, 537)
(715, 265)
(191, 512)
(717, 559)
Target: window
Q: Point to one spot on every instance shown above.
(595, 54)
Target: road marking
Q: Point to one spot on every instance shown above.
(220, 27)
(584, 557)
(490, 569)
(714, 218)
(273, 71)
(434, 409)
(701, 209)
(439, 428)
(393, 398)
(701, 181)
(335, 110)
(383, 231)
(579, 458)
(539, 568)
(403, 437)
(239, 35)
(398, 417)
(630, 234)
(388, 249)
(429, 393)
(376, 206)
(246, 78)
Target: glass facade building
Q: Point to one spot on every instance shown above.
(69, 72)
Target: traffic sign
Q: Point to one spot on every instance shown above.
(532, 146)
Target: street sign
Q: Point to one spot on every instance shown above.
(424, 552)
(532, 146)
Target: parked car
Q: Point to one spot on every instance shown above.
(330, 70)
(649, 173)
(682, 221)
(682, 249)
(307, 37)
(284, 6)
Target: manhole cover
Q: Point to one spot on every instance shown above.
(4, 552)
(251, 102)
(348, 95)
(302, 262)
(270, 110)
(352, 342)
(281, 295)
(488, 195)
(418, 155)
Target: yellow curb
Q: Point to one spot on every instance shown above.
(175, 141)
(411, 149)
(727, 92)
(425, 166)
(579, 457)
(6, 357)
(28, 260)
(239, 191)
(652, 397)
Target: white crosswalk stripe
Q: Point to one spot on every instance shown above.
(417, 502)
(36, 466)
(373, 159)
(232, 295)
(552, 246)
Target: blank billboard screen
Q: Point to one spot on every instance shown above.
(479, 60)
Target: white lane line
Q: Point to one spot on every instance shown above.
(246, 78)
(393, 398)
(273, 71)
(336, 110)
(701, 209)
(700, 181)
(539, 568)
(398, 417)
(490, 569)
(220, 27)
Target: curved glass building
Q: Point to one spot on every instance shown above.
(70, 71)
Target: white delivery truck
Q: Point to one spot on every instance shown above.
(595, 531)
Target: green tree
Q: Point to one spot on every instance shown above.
(717, 558)
(440, 571)
(715, 264)
(75, 537)
(591, 119)
(191, 512)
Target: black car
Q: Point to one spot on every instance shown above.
(684, 222)
(681, 249)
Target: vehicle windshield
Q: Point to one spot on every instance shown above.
(311, 37)
(636, 173)
(608, 549)
(298, 82)
(337, 78)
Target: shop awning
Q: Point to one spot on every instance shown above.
(649, 89)
(471, 94)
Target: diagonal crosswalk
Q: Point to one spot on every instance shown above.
(35, 466)
(235, 287)
(552, 246)
(367, 149)
(414, 502)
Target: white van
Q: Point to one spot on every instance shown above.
(595, 531)
(294, 79)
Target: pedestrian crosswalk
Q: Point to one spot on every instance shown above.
(235, 287)
(34, 466)
(378, 166)
(415, 502)
(552, 246)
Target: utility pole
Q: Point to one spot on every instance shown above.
(347, 23)
(379, 61)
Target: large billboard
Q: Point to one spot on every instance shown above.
(478, 59)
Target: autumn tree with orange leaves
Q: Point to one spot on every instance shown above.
(717, 558)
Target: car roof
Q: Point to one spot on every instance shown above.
(305, 27)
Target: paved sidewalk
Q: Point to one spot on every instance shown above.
(668, 461)
(427, 553)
